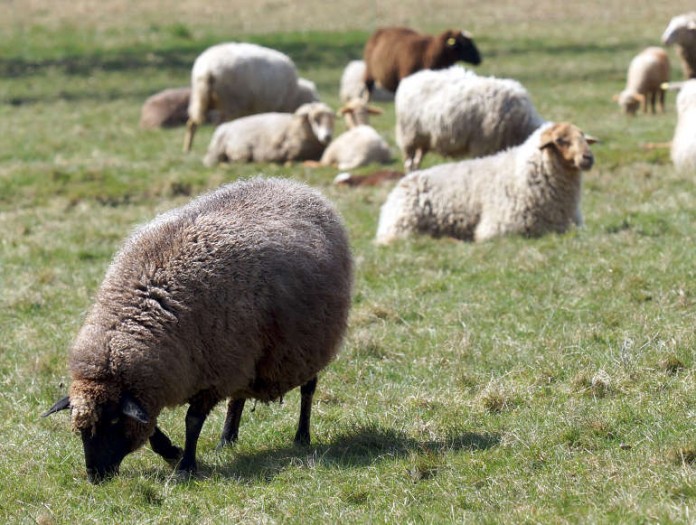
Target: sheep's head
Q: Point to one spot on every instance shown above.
(356, 112)
(630, 101)
(569, 144)
(112, 424)
(680, 29)
(320, 118)
(461, 45)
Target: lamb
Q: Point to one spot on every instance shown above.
(240, 79)
(530, 190)
(681, 32)
(353, 84)
(683, 147)
(166, 109)
(361, 144)
(393, 53)
(456, 113)
(273, 137)
(242, 293)
(646, 73)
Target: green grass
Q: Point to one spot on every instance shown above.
(533, 381)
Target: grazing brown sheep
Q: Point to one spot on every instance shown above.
(392, 53)
(242, 293)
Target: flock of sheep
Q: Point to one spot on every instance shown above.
(244, 293)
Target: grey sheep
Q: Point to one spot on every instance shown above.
(528, 190)
(273, 137)
(458, 113)
(242, 293)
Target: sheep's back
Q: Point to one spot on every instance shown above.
(248, 79)
(245, 291)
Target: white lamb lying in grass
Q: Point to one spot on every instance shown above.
(361, 144)
(531, 189)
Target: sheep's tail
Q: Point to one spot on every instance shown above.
(202, 100)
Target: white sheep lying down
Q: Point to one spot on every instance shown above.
(239, 79)
(458, 113)
(361, 144)
(529, 190)
(273, 137)
(683, 148)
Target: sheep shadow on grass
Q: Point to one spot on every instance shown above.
(359, 447)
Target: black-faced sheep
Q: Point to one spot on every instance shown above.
(646, 73)
(681, 32)
(458, 113)
(393, 53)
(273, 137)
(528, 190)
(244, 294)
(239, 79)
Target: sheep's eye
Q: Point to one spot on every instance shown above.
(562, 142)
(114, 421)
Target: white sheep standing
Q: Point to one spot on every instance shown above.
(353, 84)
(361, 144)
(681, 32)
(646, 73)
(239, 79)
(530, 190)
(683, 148)
(273, 137)
(458, 113)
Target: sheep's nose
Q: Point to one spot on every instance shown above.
(587, 161)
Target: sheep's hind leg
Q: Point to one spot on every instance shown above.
(230, 431)
(199, 408)
(307, 391)
(162, 445)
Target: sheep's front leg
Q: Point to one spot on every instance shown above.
(307, 391)
(230, 431)
(162, 445)
(199, 408)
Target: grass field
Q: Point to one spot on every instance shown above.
(516, 381)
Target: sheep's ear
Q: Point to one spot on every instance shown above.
(640, 97)
(344, 110)
(591, 140)
(131, 408)
(615, 98)
(62, 404)
(373, 110)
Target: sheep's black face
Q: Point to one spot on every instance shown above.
(117, 433)
(105, 449)
(466, 50)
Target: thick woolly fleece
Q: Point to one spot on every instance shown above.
(683, 149)
(456, 113)
(523, 190)
(243, 293)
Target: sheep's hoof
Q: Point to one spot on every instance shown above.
(302, 439)
(174, 456)
(224, 442)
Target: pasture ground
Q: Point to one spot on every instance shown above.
(517, 381)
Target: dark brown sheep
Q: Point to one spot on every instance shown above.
(243, 293)
(392, 53)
